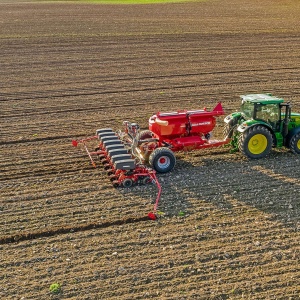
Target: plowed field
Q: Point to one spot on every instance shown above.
(229, 227)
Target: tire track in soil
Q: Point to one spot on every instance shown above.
(67, 229)
(92, 91)
(96, 91)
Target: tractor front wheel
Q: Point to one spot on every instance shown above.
(162, 160)
(228, 131)
(256, 142)
(295, 143)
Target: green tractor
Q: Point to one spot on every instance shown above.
(263, 122)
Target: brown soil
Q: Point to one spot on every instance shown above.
(229, 228)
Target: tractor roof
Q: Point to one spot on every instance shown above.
(262, 98)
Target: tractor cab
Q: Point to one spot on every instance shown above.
(263, 108)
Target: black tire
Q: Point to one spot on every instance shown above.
(116, 184)
(104, 161)
(256, 142)
(228, 131)
(110, 172)
(230, 128)
(127, 183)
(146, 180)
(162, 160)
(145, 134)
(295, 143)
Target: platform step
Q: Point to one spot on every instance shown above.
(114, 147)
(109, 138)
(105, 134)
(112, 152)
(102, 130)
(127, 164)
(115, 158)
(111, 142)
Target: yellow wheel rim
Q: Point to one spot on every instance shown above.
(298, 144)
(258, 144)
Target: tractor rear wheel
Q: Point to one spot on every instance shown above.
(162, 160)
(256, 142)
(295, 143)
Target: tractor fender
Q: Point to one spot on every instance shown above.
(250, 123)
(290, 135)
(232, 119)
(246, 126)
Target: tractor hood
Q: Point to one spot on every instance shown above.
(249, 123)
(235, 115)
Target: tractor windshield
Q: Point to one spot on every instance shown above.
(269, 113)
(248, 109)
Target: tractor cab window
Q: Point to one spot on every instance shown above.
(268, 112)
(248, 109)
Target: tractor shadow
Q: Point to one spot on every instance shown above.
(224, 180)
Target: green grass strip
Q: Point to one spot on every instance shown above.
(124, 1)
